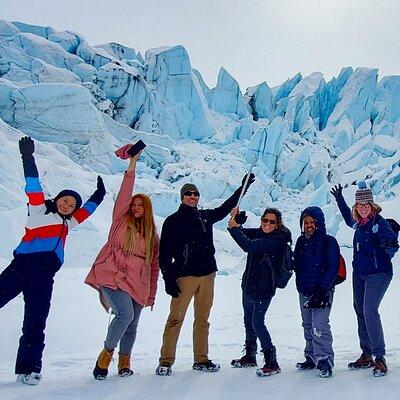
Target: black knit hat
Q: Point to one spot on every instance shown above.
(68, 192)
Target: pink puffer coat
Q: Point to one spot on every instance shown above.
(128, 272)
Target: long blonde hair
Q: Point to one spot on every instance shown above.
(375, 208)
(144, 226)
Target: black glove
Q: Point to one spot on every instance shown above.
(241, 218)
(252, 178)
(319, 299)
(26, 147)
(136, 148)
(337, 191)
(171, 287)
(101, 189)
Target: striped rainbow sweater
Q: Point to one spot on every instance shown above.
(48, 232)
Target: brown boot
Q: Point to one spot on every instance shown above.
(364, 361)
(103, 361)
(124, 365)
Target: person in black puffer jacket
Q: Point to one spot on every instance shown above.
(265, 247)
(188, 266)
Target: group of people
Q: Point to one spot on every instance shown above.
(126, 270)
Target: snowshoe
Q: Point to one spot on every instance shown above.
(206, 366)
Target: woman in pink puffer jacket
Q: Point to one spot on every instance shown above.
(125, 272)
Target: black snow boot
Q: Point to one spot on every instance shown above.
(325, 368)
(306, 365)
(249, 358)
(271, 366)
(206, 366)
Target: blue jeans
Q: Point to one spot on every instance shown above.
(123, 327)
(254, 324)
(368, 292)
(317, 331)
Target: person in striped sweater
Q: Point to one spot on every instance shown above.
(38, 257)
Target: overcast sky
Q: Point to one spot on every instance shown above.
(253, 40)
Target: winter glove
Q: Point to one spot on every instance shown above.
(251, 180)
(172, 288)
(337, 191)
(26, 147)
(319, 299)
(241, 218)
(98, 195)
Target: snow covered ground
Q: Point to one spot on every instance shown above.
(77, 327)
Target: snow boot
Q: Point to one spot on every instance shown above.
(124, 365)
(249, 358)
(206, 366)
(380, 368)
(103, 361)
(31, 379)
(271, 366)
(325, 368)
(164, 370)
(306, 365)
(365, 361)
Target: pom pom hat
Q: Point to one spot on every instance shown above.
(363, 193)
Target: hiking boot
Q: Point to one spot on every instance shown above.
(325, 368)
(206, 366)
(164, 370)
(306, 365)
(124, 365)
(249, 358)
(271, 366)
(365, 361)
(103, 361)
(31, 379)
(380, 368)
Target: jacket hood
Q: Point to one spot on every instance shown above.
(317, 214)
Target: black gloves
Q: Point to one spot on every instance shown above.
(252, 178)
(26, 147)
(241, 218)
(98, 195)
(337, 191)
(171, 287)
(319, 299)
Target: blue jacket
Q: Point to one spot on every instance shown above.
(374, 244)
(265, 251)
(316, 256)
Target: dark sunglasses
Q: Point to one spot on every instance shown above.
(271, 221)
(189, 193)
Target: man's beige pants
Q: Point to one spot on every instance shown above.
(202, 289)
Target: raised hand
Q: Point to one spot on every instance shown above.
(251, 180)
(101, 189)
(337, 191)
(26, 147)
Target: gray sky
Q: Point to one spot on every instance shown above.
(253, 40)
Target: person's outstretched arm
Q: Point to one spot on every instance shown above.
(219, 213)
(343, 207)
(124, 197)
(33, 189)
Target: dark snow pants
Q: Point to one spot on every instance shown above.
(368, 292)
(32, 275)
(254, 322)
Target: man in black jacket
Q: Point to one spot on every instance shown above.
(188, 266)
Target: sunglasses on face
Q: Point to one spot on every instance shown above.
(367, 205)
(189, 193)
(271, 221)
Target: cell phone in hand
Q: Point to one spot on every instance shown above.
(136, 148)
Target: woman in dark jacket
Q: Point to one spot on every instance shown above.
(265, 246)
(316, 265)
(374, 244)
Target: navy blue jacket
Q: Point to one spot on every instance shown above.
(265, 250)
(316, 256)
(374, 244)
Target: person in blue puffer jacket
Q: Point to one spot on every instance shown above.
(374, 245)
(316, 265)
